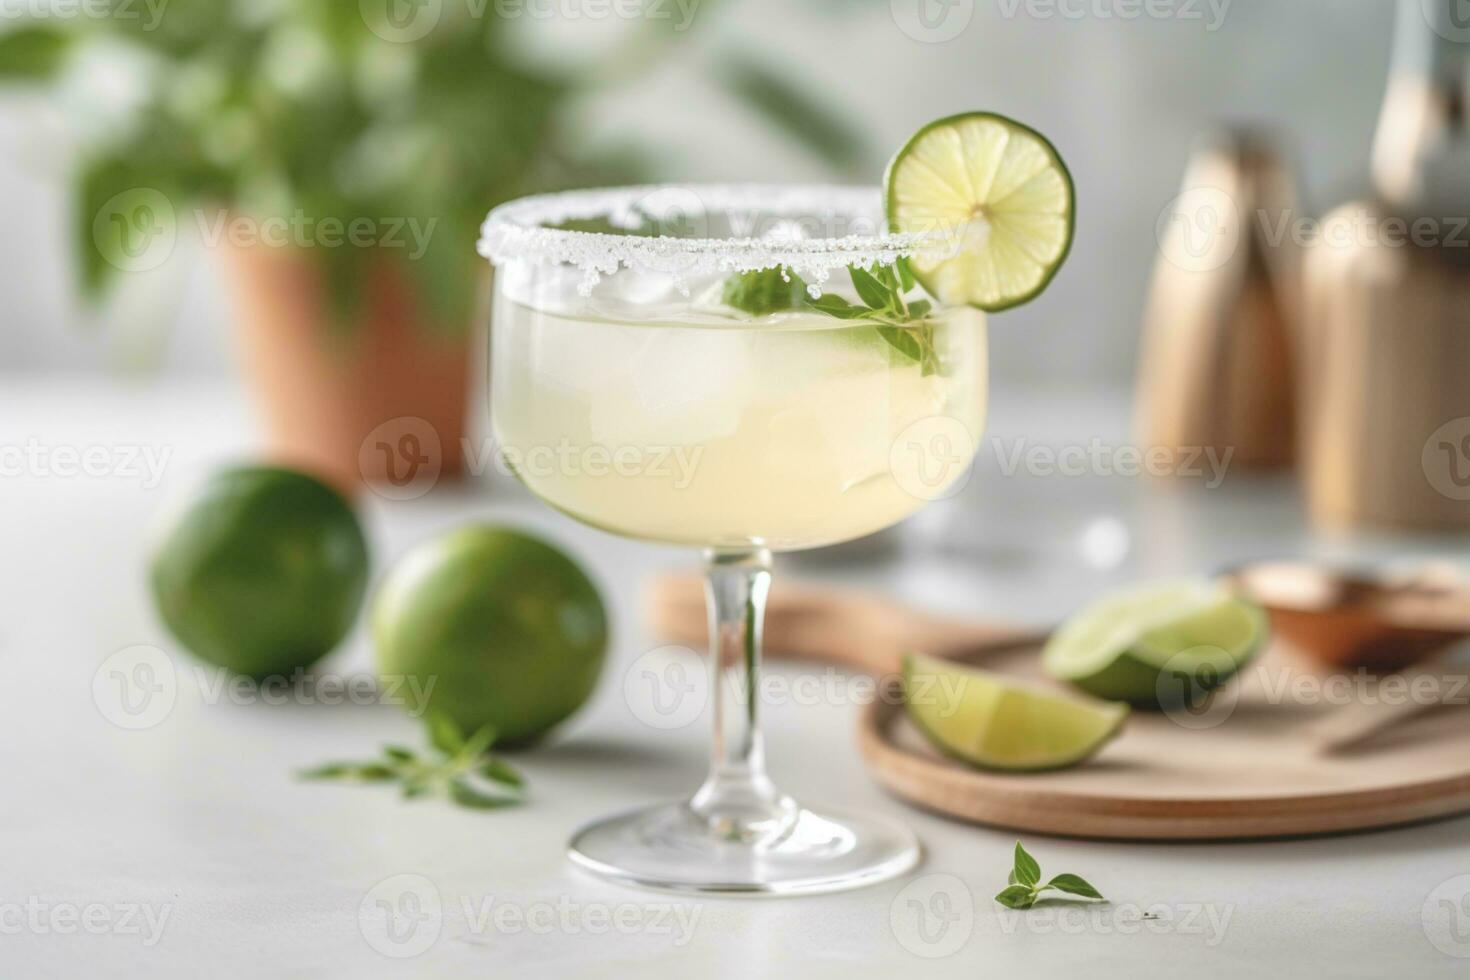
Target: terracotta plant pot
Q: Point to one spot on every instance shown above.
(381, 399)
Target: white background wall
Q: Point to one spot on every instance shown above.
(1123, 100)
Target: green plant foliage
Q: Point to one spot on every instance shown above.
(305, 111)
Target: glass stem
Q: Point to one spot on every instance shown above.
(738, 800)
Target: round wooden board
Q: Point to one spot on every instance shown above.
(1248, 769)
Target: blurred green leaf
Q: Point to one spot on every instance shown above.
(459, 764)
(501, 772)
(786, 105)
(439, 255)
(363, 772)
(477, 745)
(97, 183)
(466, 795)
(444, 734)
(268, 108)
(763, 291)
(32, 53)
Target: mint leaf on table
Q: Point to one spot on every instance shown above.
(366, 772)
(1017, 897)
(460, 768)
(465, 794)
(444, 734)
(1073, 885)
(1027, 870)
(1024, 884)
(501, 772)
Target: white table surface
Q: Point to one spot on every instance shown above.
(188, 849)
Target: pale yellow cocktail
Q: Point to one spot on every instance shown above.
(709, 428)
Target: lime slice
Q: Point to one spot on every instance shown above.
(1157, 645)
(992, 721)
(1001, 188)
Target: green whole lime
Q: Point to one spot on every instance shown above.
(509, 631)
(262, 571)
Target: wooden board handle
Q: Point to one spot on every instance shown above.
(842, 627)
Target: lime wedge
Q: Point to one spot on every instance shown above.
(1001, 189)
(993, 721)
(1157, 645)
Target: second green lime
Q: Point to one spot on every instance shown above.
(507, 629)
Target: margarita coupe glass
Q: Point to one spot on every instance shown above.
(629, 393)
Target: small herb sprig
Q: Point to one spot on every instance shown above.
(462, 769)
(905, 325)
(1025, 883)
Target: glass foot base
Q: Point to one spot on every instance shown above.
(671, 847)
